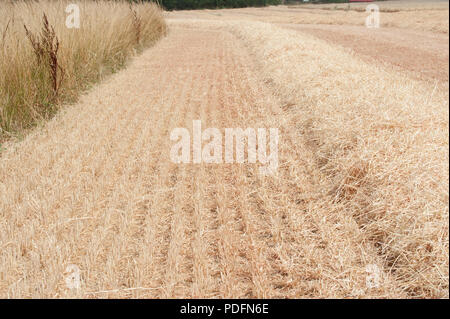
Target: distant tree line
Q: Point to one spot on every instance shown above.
(318, 1)
(211, 4)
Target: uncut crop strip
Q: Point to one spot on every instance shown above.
(46, 62)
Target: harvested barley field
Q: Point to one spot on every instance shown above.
(408, 14)
(354, 205)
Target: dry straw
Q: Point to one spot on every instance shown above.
(381, 141)
(398, 14)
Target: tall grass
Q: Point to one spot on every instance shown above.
(43, 62)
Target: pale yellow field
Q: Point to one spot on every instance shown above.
(358, 207)
(386, 6)
(400, 14)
